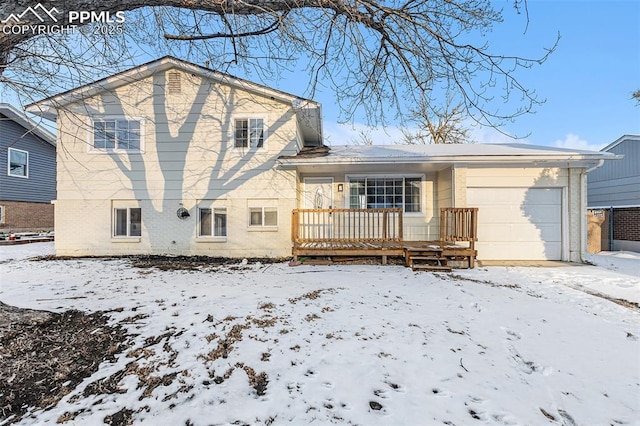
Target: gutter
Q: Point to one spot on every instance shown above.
(600, 163)
(474, 159)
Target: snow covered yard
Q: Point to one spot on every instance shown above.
(369, 345)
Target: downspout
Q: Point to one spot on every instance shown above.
(583, 202)
(611, 228)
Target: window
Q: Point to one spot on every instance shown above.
(127, 222)
(116, 134)
(213, 222)
(374, 193)
(18, 163)
(263, 216)
(249, 133)
(1, 214)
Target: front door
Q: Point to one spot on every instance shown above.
(318, 194)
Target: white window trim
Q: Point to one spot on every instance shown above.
(128, 205)
(265, 132)
(211, 204)
(2, 214)
(9, 163)
(263, 227)
(90, 134)
(422, 176)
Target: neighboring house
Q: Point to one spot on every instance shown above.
(174, 158)
(27, 173)
(614, 189)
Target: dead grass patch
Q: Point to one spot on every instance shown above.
(45, 355)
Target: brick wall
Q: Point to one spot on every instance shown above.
(20, 216)
(626, 224)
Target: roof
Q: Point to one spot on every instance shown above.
(29, 125)
(620, 140)
(448, 153)
(310, 152)
(308, 111)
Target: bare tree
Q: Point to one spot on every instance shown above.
(364, 138)
(437, 125)
(636, 96)
(376, 55)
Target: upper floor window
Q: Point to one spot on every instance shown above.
(374, 192)
(116, 134)
(249, 133)
(18, 163)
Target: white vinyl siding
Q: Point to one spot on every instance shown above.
(187, 157)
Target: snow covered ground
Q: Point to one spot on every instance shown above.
(369, 345)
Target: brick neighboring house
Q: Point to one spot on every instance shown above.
(27, 173)
(614, 194)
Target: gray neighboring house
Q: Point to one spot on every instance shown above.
(613, 193)
(27, 173)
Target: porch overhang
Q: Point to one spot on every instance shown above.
(434, 158)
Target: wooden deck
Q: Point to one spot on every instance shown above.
(337, 248)
(378, 232)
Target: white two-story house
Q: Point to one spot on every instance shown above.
(174, 158)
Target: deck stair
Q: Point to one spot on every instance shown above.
(426, 259)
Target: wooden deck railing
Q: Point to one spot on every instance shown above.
(346, 225)
(378, 232)
(459, 224)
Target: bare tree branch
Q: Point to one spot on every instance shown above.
(435, 125)
(377, 56)
(271, 28)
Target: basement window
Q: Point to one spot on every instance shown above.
(263, 216)
(212, 222)
(127, 222)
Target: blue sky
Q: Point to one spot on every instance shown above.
(587, 82)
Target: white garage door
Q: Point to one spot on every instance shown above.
(518, 223)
